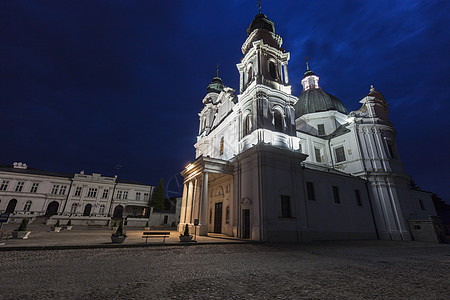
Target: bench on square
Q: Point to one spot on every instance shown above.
(155, 234)
(95, 227)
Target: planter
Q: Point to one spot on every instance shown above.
(146, 228)
(115, 228)
(20, 234)
(118, 239)
(69, 227)
(57, 229)
(186, 238)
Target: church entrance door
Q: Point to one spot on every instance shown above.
(246, 223)
(218, 218)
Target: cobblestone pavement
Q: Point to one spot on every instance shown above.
(328, 270)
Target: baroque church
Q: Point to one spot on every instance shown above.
(272, 166)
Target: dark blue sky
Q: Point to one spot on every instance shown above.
(87, 85)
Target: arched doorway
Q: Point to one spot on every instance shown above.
(87, 210)
(118, 211)
(11, 206)
(52, 208)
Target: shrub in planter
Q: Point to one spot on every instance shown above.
(21, 232)
(118, 236)
(147, 226)
(69, 225)
(186, 237)
(57, 227)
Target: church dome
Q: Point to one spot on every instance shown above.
(216, 85)
(261, 22)
(317, 100)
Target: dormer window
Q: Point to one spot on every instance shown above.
(321, 129)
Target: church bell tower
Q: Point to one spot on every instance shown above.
(266, 103)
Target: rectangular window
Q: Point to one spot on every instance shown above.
(19, 186)
(358, 198)
(310, 190)
(300, 147)
(78, 191)
(340, 154)
(321, 129)
(138, 196)
(55, 189)
(4, 185)
(125, 195)
(285, 207)
(317, 153)
(145, 196)
(336, 194)
(422, 207)
(105, 193)
(34, 187)
(62, 191)
(92, 192)
(119, 195)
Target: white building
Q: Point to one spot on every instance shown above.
(273, 166)
(30, 192)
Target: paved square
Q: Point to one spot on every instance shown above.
(367, 269)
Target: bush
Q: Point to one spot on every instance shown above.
(69, 223)
(146, 224)
(23, 225)
(57, 223)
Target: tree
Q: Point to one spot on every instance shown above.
(158, 196)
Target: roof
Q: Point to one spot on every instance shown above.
(34, 172)
(216, 85)
(55, 174)
(317, 100)
(261, 22)
(125, 181)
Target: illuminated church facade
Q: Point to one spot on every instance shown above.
(272, 166)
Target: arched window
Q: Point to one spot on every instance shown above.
(73, 208)
(278, 120)
(227, 215)
(101, 210)
(273, 70)
(27, 206)
(247, 125)
(249, 74)
(204, 123)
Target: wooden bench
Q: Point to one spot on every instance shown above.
(155, 234)
(95, 227)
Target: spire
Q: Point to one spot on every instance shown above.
(217, 71)
(372, 89)
(259, 6)
(308, 71)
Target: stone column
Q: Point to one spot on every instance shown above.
(204, 204)
(189, 202)
(286, 77)
(183, 208)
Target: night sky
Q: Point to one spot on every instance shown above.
(87, 85)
